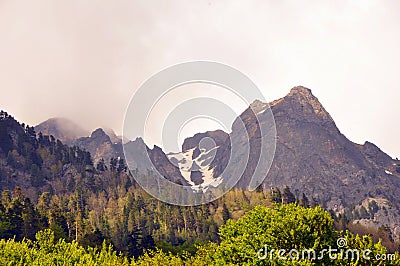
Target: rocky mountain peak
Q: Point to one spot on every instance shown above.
(258, 106)
(376, 154)
(219, 137)
(114, 138)
(157, 149)
(300, 90)
(62, 129)
(99, 134)
(301, 104)
(99, 145)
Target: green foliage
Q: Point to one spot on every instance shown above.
(44, 251)
(257, 237)
(158, 258)
(282, 227)
(361, 244)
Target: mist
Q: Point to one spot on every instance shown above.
(83, 60)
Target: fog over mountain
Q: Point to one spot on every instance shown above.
(62, 129)
(347, 52)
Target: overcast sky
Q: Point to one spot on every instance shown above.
(84, 59)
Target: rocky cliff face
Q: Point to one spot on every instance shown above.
(218, 137)
(143, 161)
(100, 145)
(165, 167)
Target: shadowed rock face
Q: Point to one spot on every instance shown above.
(143, 160)
(165, 167)
(99, 145)
(219, 137)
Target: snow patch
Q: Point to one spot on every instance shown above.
(185, 164)
(262, 111)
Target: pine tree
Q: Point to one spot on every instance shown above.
(304, 201)
(287, 196)
(225, 213)
(276, 195)
(101, 166)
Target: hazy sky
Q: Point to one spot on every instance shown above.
(84, 59)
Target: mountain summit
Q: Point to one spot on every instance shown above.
(100, 145)
(62, 129)
(301, 103)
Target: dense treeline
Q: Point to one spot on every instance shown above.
(257, 238)
(132, 222)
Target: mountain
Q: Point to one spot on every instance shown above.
(39, 163)
(312, 156)
(62, 129)
(101, 145)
